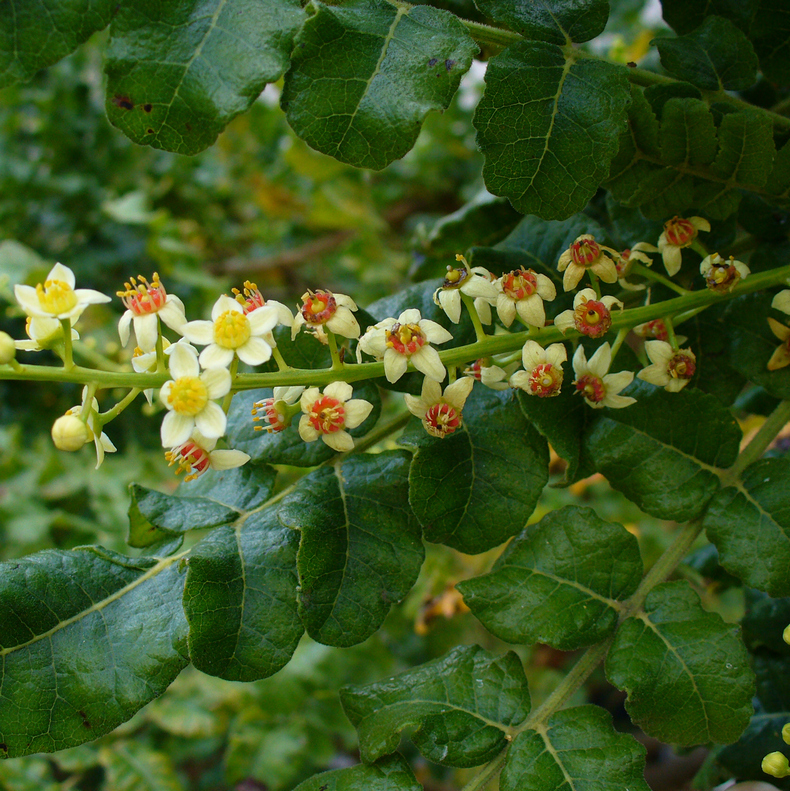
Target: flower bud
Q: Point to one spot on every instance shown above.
(786, 733)
(69, 433)
(775, 764)
(786, 634)
(7, 348)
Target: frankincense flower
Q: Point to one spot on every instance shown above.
(542, 374)
(324, 310)
(66, 434)
(274, 411)
(329, 414)
(145, 302)
(722, 276)
(441, 413)
(586, 254)
(671, 368)
(598, 387)
(475, 283)
(197, 455)
(43, 334)
(188, 397)
(521, 292)
(591, 316)
(489, 375)
(679, 232)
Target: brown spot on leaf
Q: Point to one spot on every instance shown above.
(148, 108)
(189, 127)
(433, 61)
(85, 720)
(150, 131)
(448, 64)
(124, 102)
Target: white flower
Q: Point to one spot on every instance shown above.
(43, 334)
(403, 340)
(598, 387)
(583, 254)
(671, 369)
(231, 331)
(57, 298)
(722, 276)
(679, 233)
(275, 411)
(542, 374)
(94, 433)
(145, 362)
(145, 302)
(522, 292)
(323, 309)
(781, 301)
(475, 283)
(625, 261)
(327, 415)
(188, 398)
(441, 413)
(251, 299)
(197, 455)
(490, 375)
(590, 316)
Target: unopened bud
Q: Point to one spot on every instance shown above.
(786, 634)
(69, 433)
(786, 732)
(7, 348)
(775, 764)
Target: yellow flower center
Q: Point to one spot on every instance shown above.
(188, 395)
(231, 329)
(56, 297)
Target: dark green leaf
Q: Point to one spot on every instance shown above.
(746, 149)
(770, 34)
(548, 126)
(360, 551)
(658, 95)
(779, 178)
(477, 487)
(88, 638)
(664, 452)
(560, 582)
(240, 599)
(457, 708)
(36, 33)
(686, 672)
(178, 72)
(765, 621)
(750, 525)
(685, 15)
(388, 774)
(364, 76)
(716, 56)
(688, 135)
(555, 21)
(577, 750)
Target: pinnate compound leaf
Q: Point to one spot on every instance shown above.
(360, 551)
(548, 126)
(240, 599)
(750, 526)
(476, 488)
(388, 774)
(554, 21)
(133, 766)
(364, 76)
(715, 56)
(457, 709)
(88, 638)
(686, 673)
(178, 72)
(560, 582)
(579, 750)
(665, 451)
(37, 33)
(683, 16)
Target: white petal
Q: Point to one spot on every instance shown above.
(506, 309)
(264, 319)
(580, 362)
(427, 361)
(546, 288)
(215, 356)
(284, 315)
(340, 441)
(172, 313)
(146, 329)
(395, 365)
(556, 354)
(520, 379)
(211, 421)
(199, 332)
(306, 429)
(87, 296)
(617, 401)
(565, 321)
(477, 286)
(342, 391)
(533, 354)
(217, 381)
(415, 405)
(573, 274)
(176, 429)
(616, 382)
(655, 375)
(123, 327)
(585, 295)
(343, 323)
(532, 311)
(255, 352)
(164, 394)
(483, 309)
(345, 301)
(457, 393)
(782, 301)
(27, 298)
(183, 362)
(63, 273)
(700, 223)
(308, 398)
(357, 410)
(659, 352)
(434, 332)
(450, 302)
(672, 259)
(599, 363)
(223, 305)
(227, 459)
(410, 316)
(605, 269)
(374, 343)
(297, 325)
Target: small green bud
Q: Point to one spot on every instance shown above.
(786, 634)
(786, 732)
(7, 348)
(776, 765)
(69, 433)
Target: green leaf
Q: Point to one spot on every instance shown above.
(770, 34)
(132, 766)
(548, 126)
(35, 33)
(686, 672)
(665, 451)
(764, 621)
(476, 488)
(88, 638)
(746, 149)
(716, 56)
(560, 582)
(555, 21)
(688, 135)
(360, 551)
(779, 179)
(685, 15)
(178, 72)
(240, 599)
(388, 774)
(364, 76)
(457, 708)
(579, 750)
(750, 526)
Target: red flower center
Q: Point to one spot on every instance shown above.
(655, 329)
(405, 338)
(441, 419)
(592, 318)
(591, 387)
(545, 380)
(679, 232)
(190, 458)
(142, 297)
(327, 415)
(267, 412)
(682, 366)
(520, 284)
(722, 277)
(319, 307)
(585, 252)
(251, 298)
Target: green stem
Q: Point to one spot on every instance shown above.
(618, 341)
(766, 434)
(487, 774)
(595, 283)
(700, 248)
(87, 404)
(111, 414)
(649, 274)
(480, 333)
(278, 358)
(486, 35)
(68, 355)
(234, 369)
(670, 328)
(336, 363)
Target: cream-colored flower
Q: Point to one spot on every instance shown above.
(722, 276)
(521, 292)
(542, 374)
(781, 356)
(93, 427)
(145, 362)
(403, 340)
(197, 455)
(275, 411)
(627, 258)
(590, 316)
(679, 232)
(329, 414)
(146, 302)
(781, 301)
(231, 332)
(489, 375)
(328, 311)
(441, 413)
(188, 397)
(593, 381)
(586, 254)
(43, 334)
(671, 368)
(474, 282)
(56, 297)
